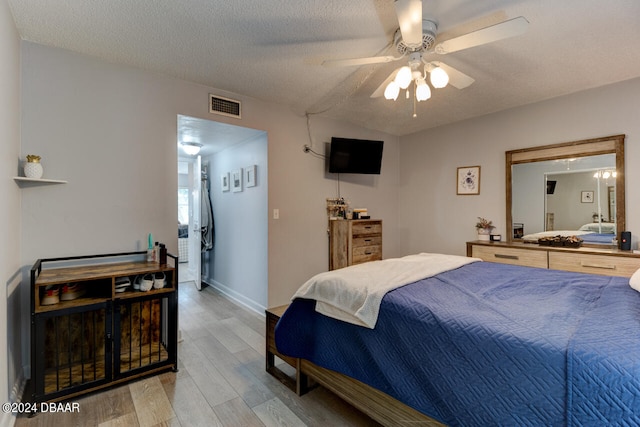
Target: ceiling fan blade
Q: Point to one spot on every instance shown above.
(410, 19)
(359, 61)
(457, 78)
(380, 91)
(503, 30)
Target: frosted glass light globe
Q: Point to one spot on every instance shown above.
(439, 78)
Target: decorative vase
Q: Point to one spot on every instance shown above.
(484, 233)
(33, 167)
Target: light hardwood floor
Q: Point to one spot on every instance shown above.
(221, 381)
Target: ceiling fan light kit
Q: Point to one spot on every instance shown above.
(416, 38)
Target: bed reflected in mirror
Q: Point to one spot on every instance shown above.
(570, 189)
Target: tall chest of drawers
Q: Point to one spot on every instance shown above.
(354, 242)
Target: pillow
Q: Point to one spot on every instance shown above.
(594, 227)
(634, 281)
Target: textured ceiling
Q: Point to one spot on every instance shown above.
(272, 50)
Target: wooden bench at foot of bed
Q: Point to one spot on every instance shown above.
(379, 406)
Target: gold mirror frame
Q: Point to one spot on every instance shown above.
(588, 147)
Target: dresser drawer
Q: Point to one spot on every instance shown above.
(361, 241)
(514, 256)
(366, 253)
(366, 227)
(607, 265)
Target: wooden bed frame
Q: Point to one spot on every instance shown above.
(378, 405)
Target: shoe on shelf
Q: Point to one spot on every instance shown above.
(71, 291)
(51, 295)
(122, 284)
(146, 283)
(159, 280)
(136, 282)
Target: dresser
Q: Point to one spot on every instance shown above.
(354, 242)
(608, 262)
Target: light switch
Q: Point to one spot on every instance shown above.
(276, 214)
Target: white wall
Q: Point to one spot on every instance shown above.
(434, 219)
(299, 186)
(10, 351)
(111, 132)
(237, 265)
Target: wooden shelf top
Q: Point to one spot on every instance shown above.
(79, 302)
(54, 276)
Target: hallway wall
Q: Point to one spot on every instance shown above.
(238, 263)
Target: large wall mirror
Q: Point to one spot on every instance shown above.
(570, 188)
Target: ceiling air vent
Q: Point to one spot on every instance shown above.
(224, 106)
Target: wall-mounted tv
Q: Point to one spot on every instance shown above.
(348, 155)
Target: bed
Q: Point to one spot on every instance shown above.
(592, 233)
(484, 344)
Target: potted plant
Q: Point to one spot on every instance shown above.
(484, 227)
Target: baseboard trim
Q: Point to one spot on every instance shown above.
(236, 296)
(18, 389)
(7, 419)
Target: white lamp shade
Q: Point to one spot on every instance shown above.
(403, 78)
(191, 148)
(392, 91)
(439, 78)
(423, 91)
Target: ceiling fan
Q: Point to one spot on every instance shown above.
(416, 39)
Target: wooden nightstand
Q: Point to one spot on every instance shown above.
(299, 384)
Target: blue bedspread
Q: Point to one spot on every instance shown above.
(491, 344)
(598, 238)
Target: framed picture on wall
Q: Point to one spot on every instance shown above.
(586, 196)
(224, 181)
(236, 180)
(250, 176)
(468, 180)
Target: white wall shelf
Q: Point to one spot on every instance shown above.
(23, 181)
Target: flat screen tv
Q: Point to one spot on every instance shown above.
(348, 155)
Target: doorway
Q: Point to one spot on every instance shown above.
(239, 211)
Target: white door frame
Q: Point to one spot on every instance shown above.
(195, 233)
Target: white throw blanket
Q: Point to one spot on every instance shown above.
(353, 294)
(634, 280)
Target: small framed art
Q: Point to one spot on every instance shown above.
(236, 180)
(224, 181)
(250, 176)
(468, 180)
(586, 196)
